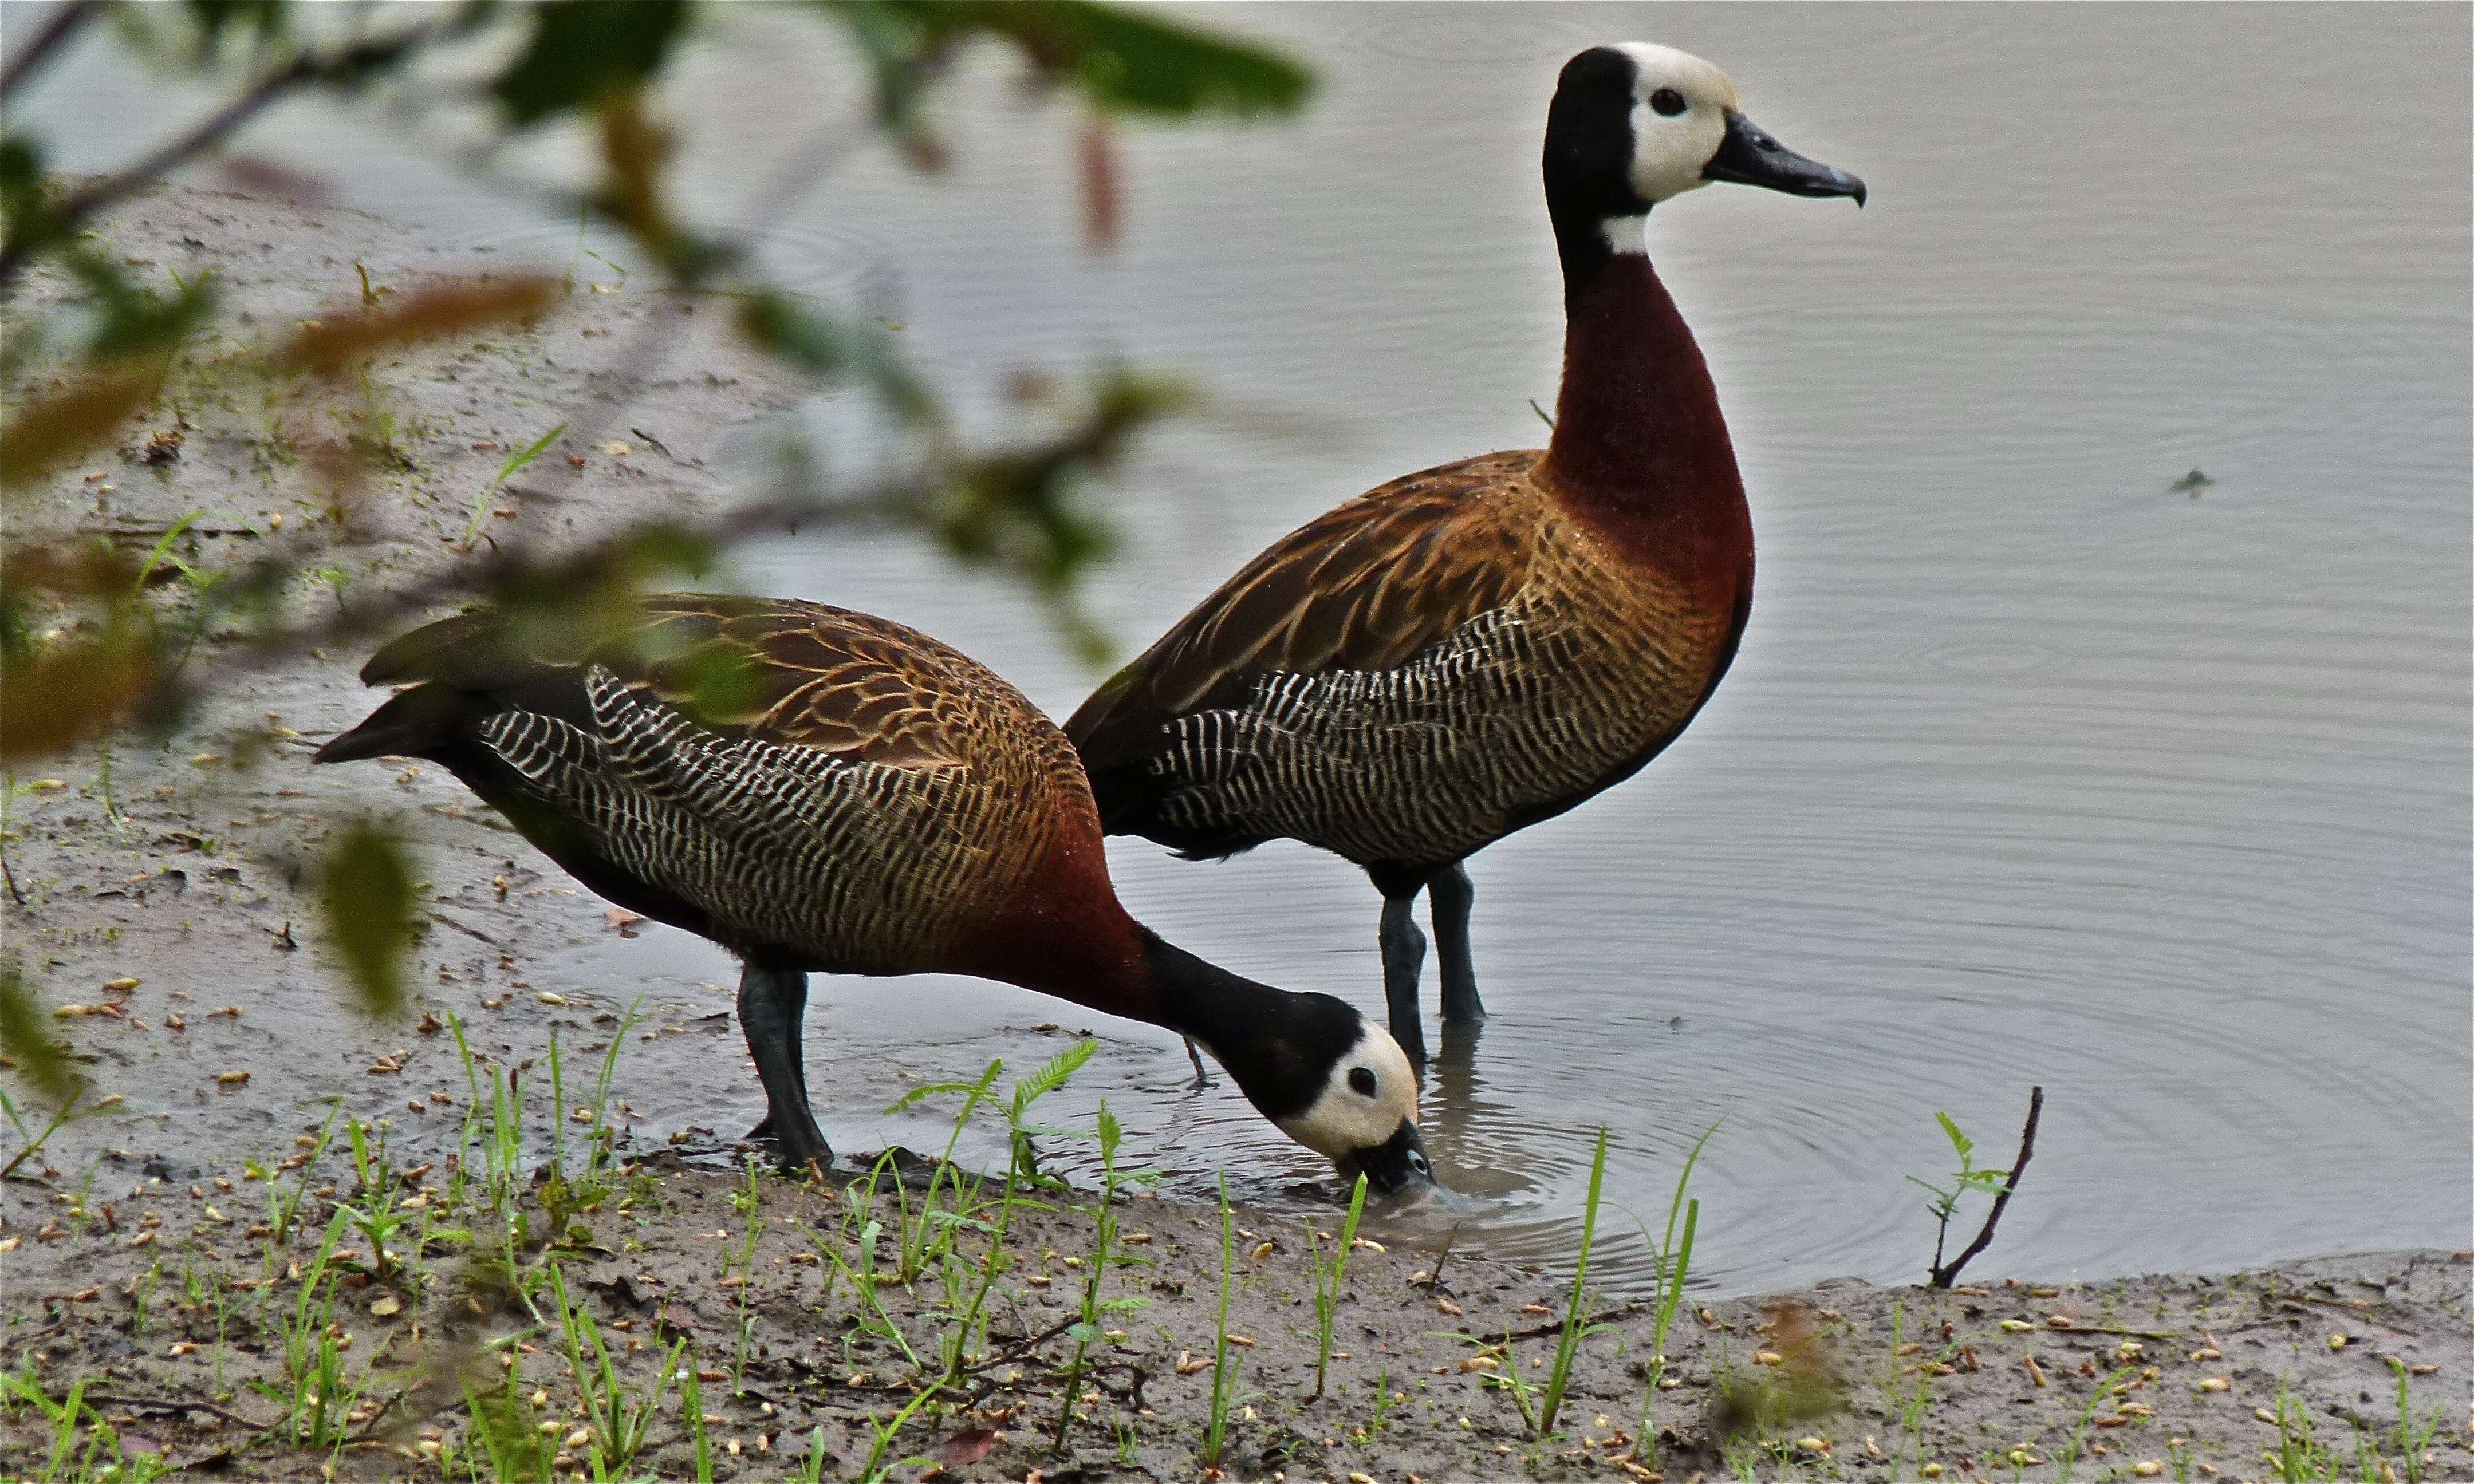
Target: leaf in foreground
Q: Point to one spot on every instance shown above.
(365, 889)
(583, 49)
(28, 1040)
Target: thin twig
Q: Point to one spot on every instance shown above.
(175, 1404)
(301, 71)
(62, 24)
(1541, 1331)
(10, 876)
(1025, 1349)
(1943, 1277)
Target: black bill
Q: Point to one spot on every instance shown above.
(1750, 155)
(1393, 1166)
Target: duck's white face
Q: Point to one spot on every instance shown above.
(1371, 1094)
(1680, 105)
(1635, 124)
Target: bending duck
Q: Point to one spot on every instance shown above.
(1471, 649)
(819, 790)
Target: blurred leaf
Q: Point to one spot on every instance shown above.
(830, 347)
(333, 346)
(81, 570)
(583, 49)
(133, 318)
(502, 1433)
(26, 1035)
(717, 685)
(895, 40)
(22, 196)
(267, 18)
(1123, 59)
(88, 686)
(1102, 185)
(253, 176)
(365, 889)
(1024, 509)
(1804, 1387)
(964, 1447)
(635, 150)
(90, 410)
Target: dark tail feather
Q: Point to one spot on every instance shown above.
(441, 651)
(415, 722)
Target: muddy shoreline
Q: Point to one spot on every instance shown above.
(163, 904)
(168, 1297)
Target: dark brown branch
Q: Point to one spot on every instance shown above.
(9, 876)
(340, 65)
(1944, 1277)
(62, 24)
(1602, 1316)
(174, 1405)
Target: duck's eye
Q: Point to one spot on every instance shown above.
(1362, 1080)
(1667, 100)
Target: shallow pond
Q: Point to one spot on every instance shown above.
(2032, 770)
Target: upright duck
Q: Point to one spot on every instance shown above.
(1467, 651)
(819, 790)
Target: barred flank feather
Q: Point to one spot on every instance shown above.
(1405, 681)
(859, 800)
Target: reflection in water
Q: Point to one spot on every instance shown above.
(1455, 1114)
(2031, 769)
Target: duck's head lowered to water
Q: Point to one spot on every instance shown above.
(1309, 1063)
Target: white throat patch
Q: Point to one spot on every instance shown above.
(1627, 234)
(1343, 1119)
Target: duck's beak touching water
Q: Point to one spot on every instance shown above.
(1750, 155)
(1398, 1164)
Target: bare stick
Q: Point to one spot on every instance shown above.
(175, 1404)
(60, 25)
(343, 64)
(1943, 1277)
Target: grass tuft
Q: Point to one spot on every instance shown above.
(1328, 1277)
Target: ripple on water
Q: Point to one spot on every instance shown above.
(824, 258)
(1989, 656)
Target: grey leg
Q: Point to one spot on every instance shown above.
(771, 1004)
(1194, 1054)
(1449, 896)
(1404, 954)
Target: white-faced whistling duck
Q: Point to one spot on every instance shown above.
(818, 790)
(1467, 651)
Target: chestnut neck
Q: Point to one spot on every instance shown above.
(1278, 1045)
(1640, 448)
(1064, 932)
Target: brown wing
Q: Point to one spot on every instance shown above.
(809, 784)
(1364, 587)
(803, 674)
